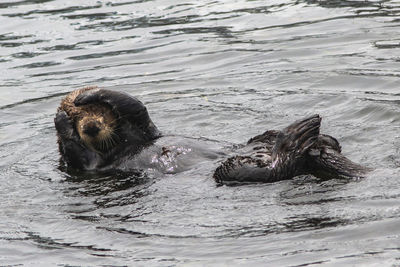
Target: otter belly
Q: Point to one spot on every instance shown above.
(169, 155)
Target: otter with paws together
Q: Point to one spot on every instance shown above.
(101, 130)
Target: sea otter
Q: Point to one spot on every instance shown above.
(101, 130)
(278, 155)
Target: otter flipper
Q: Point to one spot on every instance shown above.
(74, 153)
(293, 141)
(243, 169)
(325, 160)
(286, 160)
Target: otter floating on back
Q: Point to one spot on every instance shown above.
(100, 130)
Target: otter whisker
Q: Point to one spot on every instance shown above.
(110, 143)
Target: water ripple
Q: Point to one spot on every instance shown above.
(50, 11)
(212, 70)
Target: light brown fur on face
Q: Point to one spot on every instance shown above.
(95, 123)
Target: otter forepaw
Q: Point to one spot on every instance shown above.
(88, 97)
(63, 124)
(121, 103)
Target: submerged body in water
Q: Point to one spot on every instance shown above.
(101, 130)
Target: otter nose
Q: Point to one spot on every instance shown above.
(91, 129)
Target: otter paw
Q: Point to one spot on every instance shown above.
(63, 124)
(88, 97)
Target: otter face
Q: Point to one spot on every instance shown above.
(97, 130)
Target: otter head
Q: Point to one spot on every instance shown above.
(96, 126)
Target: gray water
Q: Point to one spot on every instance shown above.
(215, 70)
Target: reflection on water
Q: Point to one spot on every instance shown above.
(220, 70)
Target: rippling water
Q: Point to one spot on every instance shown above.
(221, 70)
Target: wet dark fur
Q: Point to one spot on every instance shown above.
(278, 155)
(133, 129)
(325, 160)
(96, 117)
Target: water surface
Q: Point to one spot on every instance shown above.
(219, 70)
